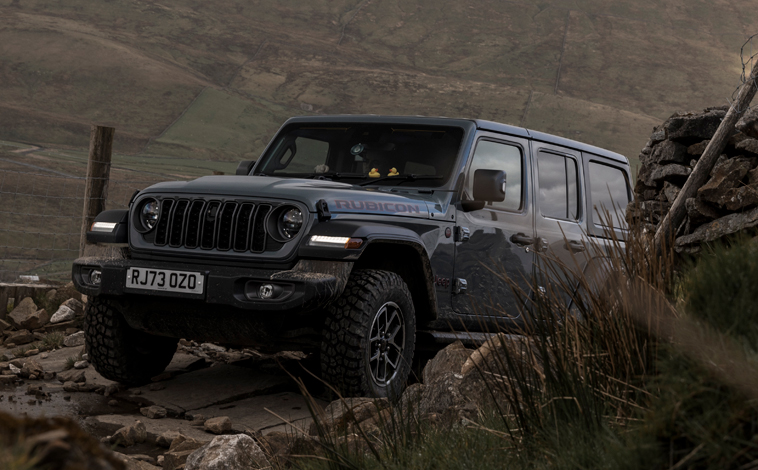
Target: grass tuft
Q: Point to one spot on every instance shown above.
(54, 340)
(71, 360)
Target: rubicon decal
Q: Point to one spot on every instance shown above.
(373, 206)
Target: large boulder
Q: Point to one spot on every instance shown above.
(450, 359)
(442, 395)
(339, 414)
(26, 316)
(238, 452)
(500, 361)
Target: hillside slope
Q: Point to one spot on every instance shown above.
(214, 80)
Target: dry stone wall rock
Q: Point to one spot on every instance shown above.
(725, 204)
(748, 123)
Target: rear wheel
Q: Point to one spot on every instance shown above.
(369, 336)
(119, 352)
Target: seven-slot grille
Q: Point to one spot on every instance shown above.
(209, 225)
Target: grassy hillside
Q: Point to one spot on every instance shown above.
(186, 80)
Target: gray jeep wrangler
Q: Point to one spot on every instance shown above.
(352, 237)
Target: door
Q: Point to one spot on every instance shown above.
(560, 219)
(495, 241)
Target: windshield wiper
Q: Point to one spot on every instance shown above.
(331, 176)
(401, 178)
(336, 175)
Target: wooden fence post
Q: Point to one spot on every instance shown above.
(702, 171)
(98, 173)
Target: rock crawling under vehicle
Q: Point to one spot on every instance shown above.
(352, 237)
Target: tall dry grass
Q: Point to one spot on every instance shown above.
(649, 365)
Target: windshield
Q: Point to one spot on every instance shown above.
(365, 154)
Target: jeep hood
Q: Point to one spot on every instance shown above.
(341, 197)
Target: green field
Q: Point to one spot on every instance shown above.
(194, 86)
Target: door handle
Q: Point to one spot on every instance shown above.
(575, 246)
(521, 239)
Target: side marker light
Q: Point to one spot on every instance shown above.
(103, 227)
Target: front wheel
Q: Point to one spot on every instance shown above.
(369, 336)
(119, 352)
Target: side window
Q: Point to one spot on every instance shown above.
(490, 155)
(559, 190)
(610, 194)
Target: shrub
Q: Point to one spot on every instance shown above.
(721, 290)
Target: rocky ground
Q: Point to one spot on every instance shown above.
(726, 204)
(213, 407)
(207, 390)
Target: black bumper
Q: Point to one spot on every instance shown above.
(224, 286)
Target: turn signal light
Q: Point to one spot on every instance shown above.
(354, 243)
(336, 242)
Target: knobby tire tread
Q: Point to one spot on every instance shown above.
(111, 345)
(347, 325)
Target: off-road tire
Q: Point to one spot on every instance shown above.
(345, 346)
(119, 352)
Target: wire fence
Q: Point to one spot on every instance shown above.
(41, 213)
(747, 58)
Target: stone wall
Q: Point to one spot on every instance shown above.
(726, 204)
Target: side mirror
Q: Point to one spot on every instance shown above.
(489, 185)
(244, 167)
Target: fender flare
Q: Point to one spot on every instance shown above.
(374, 235)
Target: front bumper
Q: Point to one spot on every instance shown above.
(224, 286)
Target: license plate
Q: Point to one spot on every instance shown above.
(164, 280)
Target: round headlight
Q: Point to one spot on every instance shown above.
(149, 214)
(290, 222)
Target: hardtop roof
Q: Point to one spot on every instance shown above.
(479, 123)
(549, 139)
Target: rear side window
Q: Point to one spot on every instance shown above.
(610, 194)
(559, 191)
